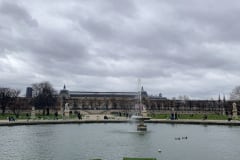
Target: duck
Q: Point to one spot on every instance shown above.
(184, 137)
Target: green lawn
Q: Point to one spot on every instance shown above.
(154, 116)
(6, 115)
(37, 116)
(191, 116)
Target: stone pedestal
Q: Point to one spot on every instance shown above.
(33, 114)
(141, 126)
(234, 111)
(66, 114)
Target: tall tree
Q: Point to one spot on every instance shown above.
(17, 104)
(8, 97)
(44, 96)
(235, 94)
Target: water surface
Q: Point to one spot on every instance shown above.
(114, 141)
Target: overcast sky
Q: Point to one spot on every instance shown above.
(176, 47)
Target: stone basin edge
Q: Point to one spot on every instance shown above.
(199, 122)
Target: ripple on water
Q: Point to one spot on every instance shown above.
(114, 141)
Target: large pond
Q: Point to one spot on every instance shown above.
(115, 141)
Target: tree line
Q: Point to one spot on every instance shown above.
(8, 98)
(44, 97)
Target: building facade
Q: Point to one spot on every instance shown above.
(29, 92)
(126, 102)
(79, 100)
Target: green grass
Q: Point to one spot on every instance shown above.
(37, 116)
(6, 115)
(160, 116)
(127, 158)
(154, 116)
(191, 116)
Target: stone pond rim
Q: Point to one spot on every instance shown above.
(40, 122)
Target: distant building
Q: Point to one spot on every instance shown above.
(29, 91)
(100, 100)
(126, 102)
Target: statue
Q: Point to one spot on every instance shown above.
(66, 107)
(66, 110)
(234, 111)
(33, 113)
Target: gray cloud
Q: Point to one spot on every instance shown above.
(187, 47)
(16, 13)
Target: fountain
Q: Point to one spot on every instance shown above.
(140, 119)
(141, 113)
(141, 126)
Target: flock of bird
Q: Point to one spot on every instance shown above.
(179, 138)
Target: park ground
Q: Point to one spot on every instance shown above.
(99, 118)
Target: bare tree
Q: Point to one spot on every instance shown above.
(44, 96)
(17, 105)
(235, 94)
(8, 97)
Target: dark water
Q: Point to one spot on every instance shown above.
(114, 141)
